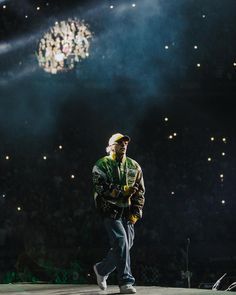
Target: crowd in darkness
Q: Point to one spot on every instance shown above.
(50, 229)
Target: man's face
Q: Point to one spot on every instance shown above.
(120, 147)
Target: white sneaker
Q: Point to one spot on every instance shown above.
(127, 289)
(101, 280)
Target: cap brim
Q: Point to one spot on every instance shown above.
(125, 137)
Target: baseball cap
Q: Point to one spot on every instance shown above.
(116, 137)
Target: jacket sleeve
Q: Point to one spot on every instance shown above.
(138, 199)
(102, 186)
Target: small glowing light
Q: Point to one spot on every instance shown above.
(18, 208)
(7, 157)
(223, 202)
(171, 137)
(3, 195)
(111, 6)
(26, 16)
(175, 134)
(221, 175)
(60, 147)
(203, 16)
(47, 4)
(223, 154)
(198, 65)
(234, 64)
(4, 7)
(44, 157)
(89, 275)
(38, 8)
(166, 119)
(195, 47)
(209, 159)
(72, 176)
(172, 193)
(133, 5)
(212, 138)
(166, 47)
(224, 139)
(56, 23)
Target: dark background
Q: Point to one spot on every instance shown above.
(130, 83)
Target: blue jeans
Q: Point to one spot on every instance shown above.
(121, 236)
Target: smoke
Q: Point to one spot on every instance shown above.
(127, 69)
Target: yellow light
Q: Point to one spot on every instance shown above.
(175, 134)
(224, 139)
(170, 137)
(7, 158)
(18, 208)
(212, 138)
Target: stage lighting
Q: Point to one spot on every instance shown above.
(64, 45)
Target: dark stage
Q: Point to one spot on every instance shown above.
(23, 289)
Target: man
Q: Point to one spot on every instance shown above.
(119, 197)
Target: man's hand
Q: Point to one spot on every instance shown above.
(130, 190)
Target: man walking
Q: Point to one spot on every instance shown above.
(119, 197)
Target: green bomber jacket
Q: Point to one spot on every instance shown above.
(108, 175)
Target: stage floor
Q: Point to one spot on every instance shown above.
(46, 289)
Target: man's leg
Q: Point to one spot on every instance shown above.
(119, 255)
